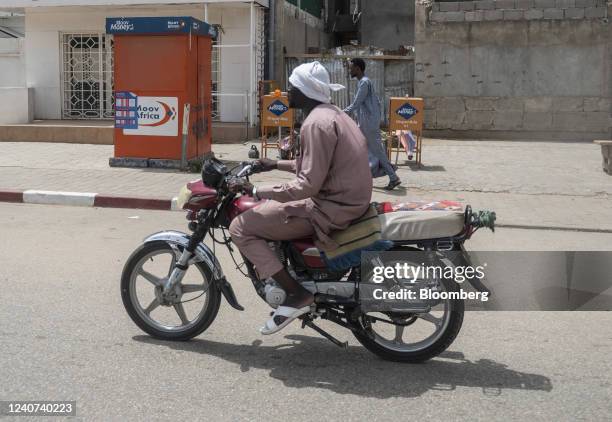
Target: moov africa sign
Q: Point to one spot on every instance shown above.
(406, 114)
(149, 116)
(276, 111)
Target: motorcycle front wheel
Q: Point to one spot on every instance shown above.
(194, 303)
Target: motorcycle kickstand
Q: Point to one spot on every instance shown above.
(309, 323)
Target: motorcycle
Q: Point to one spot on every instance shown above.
(172, 284)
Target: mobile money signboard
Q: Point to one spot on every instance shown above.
(276, 111)
(406, 113)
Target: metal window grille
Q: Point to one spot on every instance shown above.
(255, 50)
(87, 76)
(216, 77)
(260, 52)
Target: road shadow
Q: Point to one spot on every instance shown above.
(310, 362)
(414, 167)
(158, 170)
(398, 191)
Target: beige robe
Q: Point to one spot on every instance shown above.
(333, 187)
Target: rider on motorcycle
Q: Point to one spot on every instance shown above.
(333, 187)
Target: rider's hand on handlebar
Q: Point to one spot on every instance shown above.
(265, 164)
(240, 186)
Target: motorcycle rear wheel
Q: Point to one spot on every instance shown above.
(142, 316)
(399, 352)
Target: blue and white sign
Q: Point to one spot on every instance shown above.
(407, 111)
(121, 25)
(159, 25)
(278, 108)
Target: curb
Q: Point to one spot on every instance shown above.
(87, 199)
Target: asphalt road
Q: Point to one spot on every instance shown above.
(64, 335)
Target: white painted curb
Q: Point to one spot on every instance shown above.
(80, 199)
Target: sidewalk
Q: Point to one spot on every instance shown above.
(557, 185)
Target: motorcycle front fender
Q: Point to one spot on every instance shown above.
(202, 253)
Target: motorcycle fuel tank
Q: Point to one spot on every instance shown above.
(242, 204)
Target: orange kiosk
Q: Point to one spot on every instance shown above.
(163, 88)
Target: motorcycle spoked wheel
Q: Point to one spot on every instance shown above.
(188, 328)
(398, 351)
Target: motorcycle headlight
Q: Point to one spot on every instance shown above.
(183, 197)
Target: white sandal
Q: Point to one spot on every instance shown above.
(281, 318)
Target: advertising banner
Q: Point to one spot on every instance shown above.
(406, 114)
(276, 111)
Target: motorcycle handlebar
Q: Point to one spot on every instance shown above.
(250, 167)
(256, 166)
(246, 170)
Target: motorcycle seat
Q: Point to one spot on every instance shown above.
(420, 225)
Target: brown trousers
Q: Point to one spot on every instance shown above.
(252, 229)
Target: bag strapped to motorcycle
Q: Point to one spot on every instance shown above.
(363, 234)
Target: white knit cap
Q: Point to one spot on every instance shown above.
(313, 80)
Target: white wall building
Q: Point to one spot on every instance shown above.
(66, 57)
(15, 99)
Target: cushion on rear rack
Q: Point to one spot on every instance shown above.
(419, 205)
(420, 225)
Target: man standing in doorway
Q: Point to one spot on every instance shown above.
(367, 110)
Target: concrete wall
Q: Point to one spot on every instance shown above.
(12, 62)
(16, 106)
(298, 32)
(299, 36)
(302, 31)
(509, 71)
(16, 101)
(387, 24)
(42, 48)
